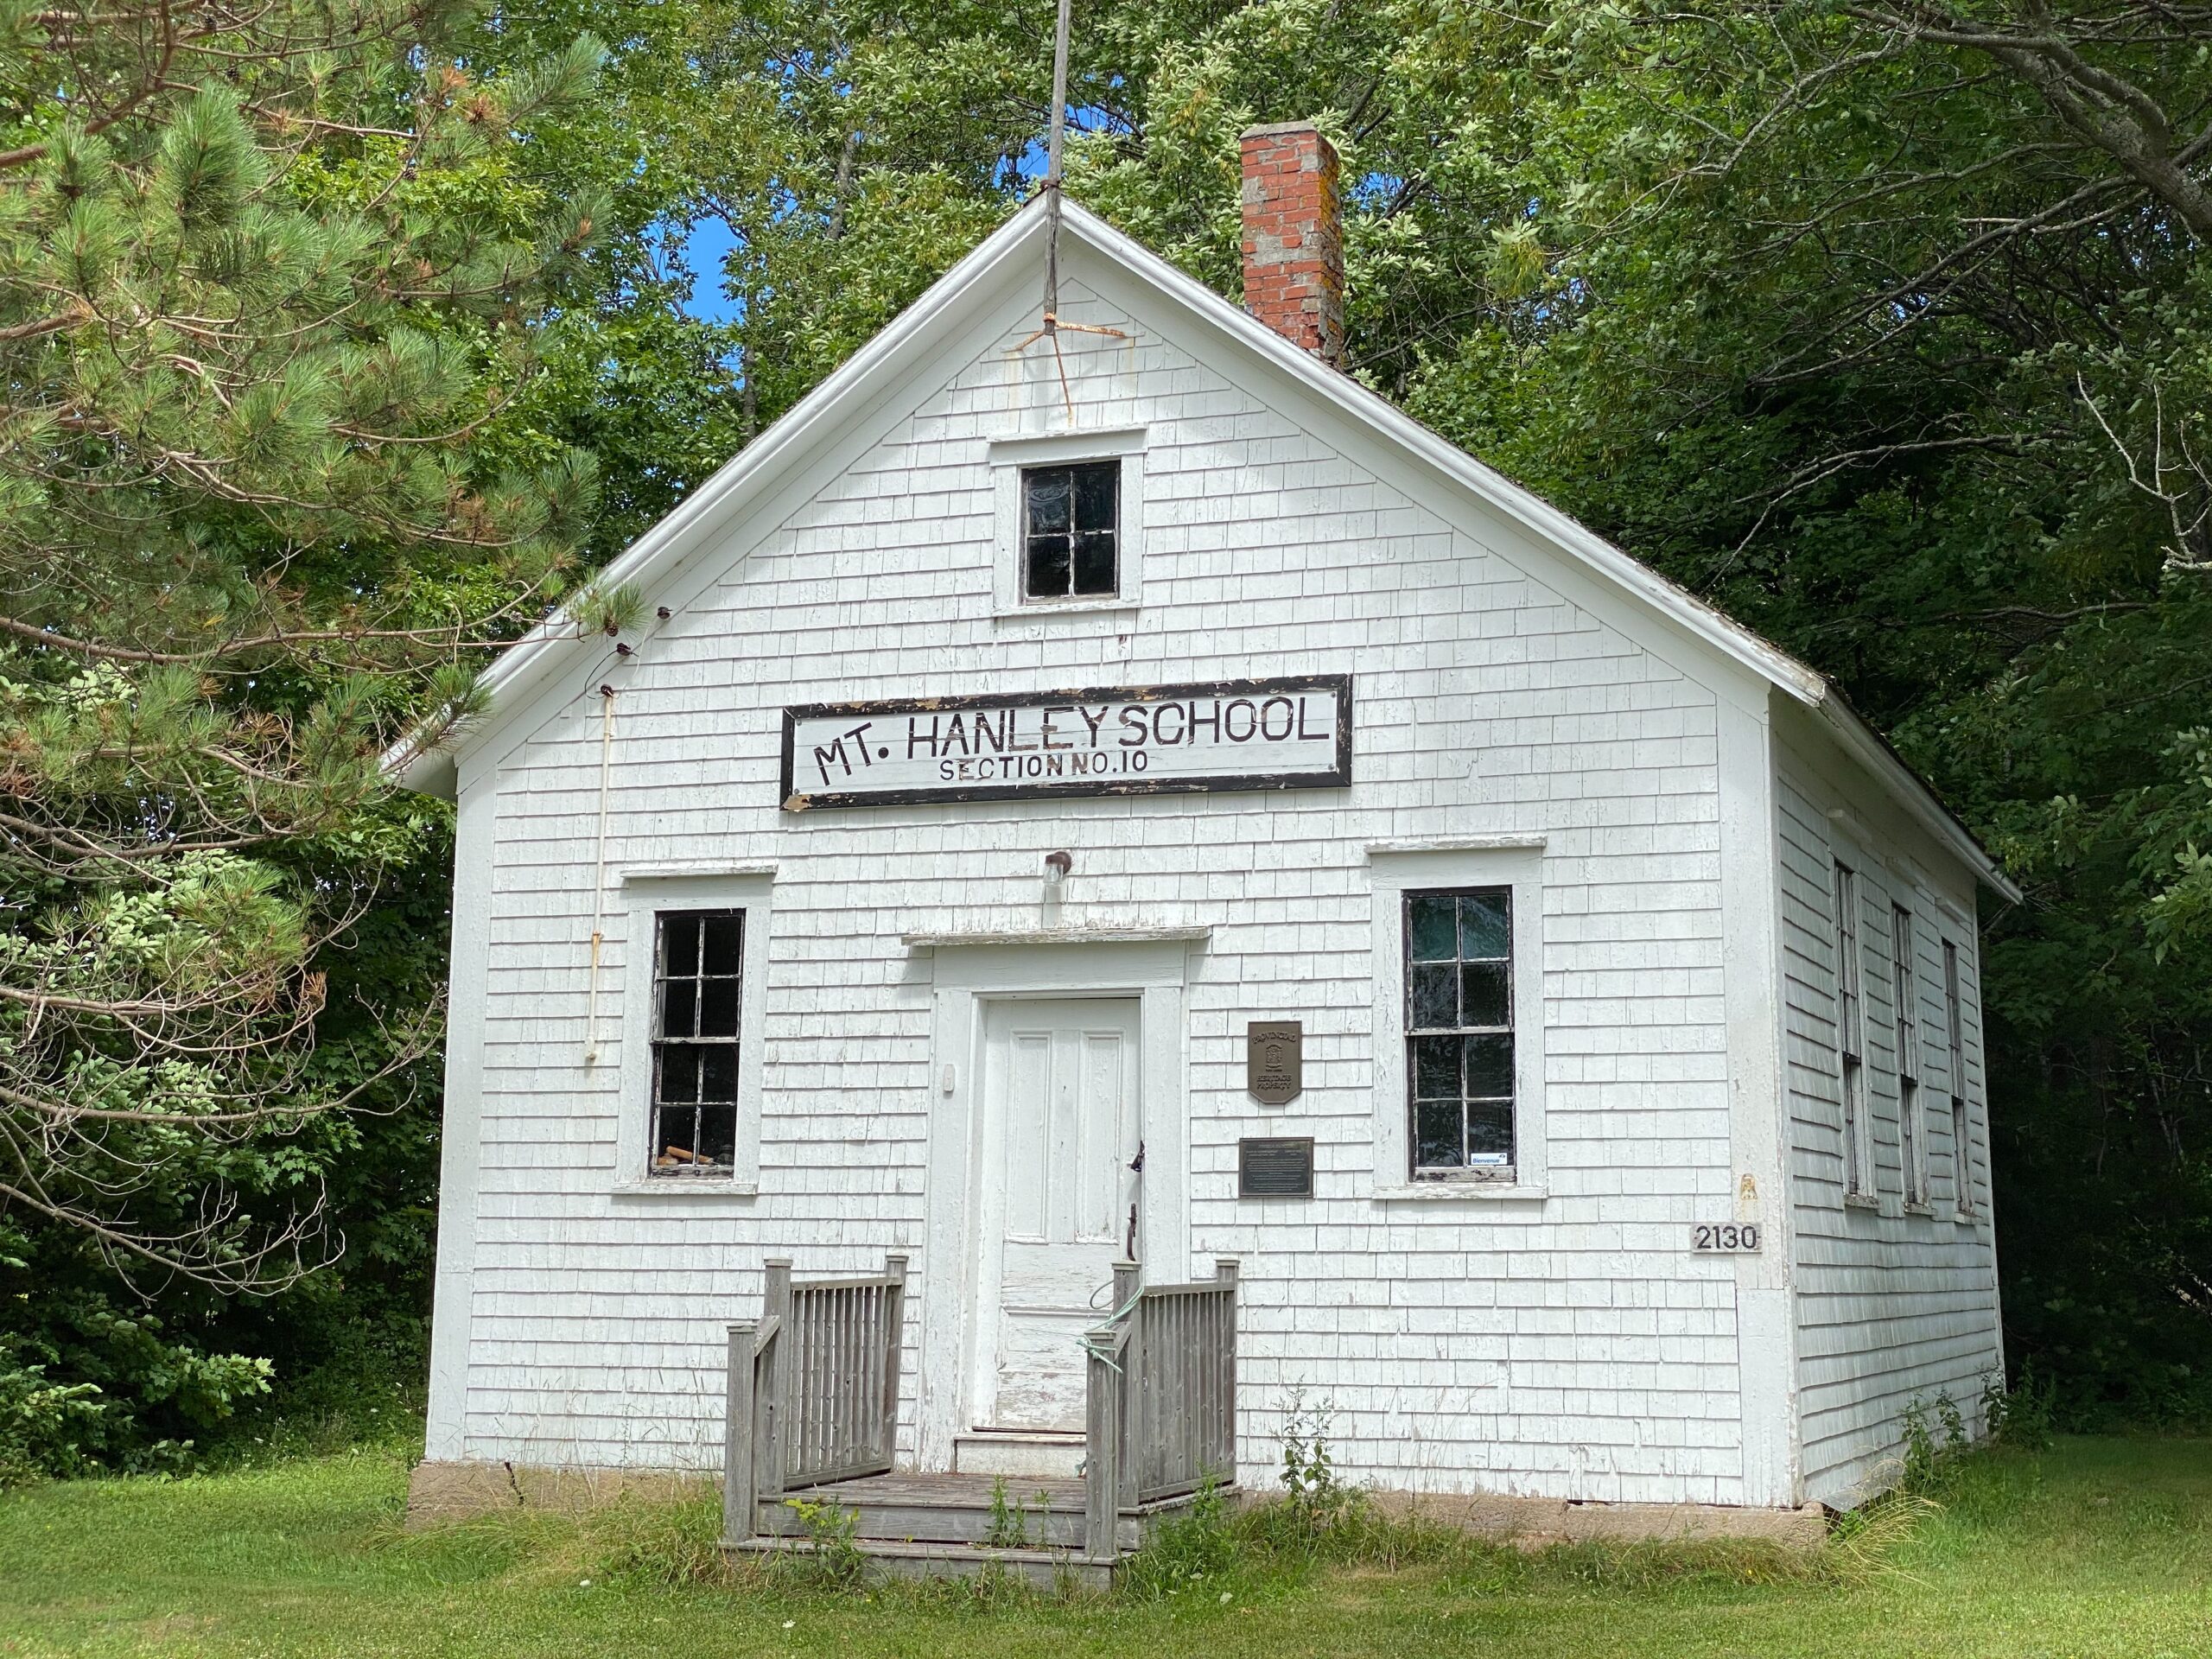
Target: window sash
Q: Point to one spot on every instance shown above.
(698, 1013)
(1461, 1056)
(1953, 1034)
(1904, 985)
(1849, 1034)
(1070, 530)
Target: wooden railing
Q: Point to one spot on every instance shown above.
(1162, 1398)
(813, 1387)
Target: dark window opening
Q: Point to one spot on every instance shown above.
(698, 990)
(1459, 1065)
(1072, 530)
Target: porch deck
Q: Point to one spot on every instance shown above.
(1160, 1385)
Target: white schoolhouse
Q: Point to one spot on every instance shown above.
(1128, 793)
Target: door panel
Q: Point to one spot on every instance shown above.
(1061, 1117)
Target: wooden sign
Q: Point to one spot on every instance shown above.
(1274, 1060)
(1281, 733)
(1278, 1166)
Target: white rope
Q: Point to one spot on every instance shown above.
(599, 873)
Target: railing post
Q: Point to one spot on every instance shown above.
(1102, 1458)
(776, 1302)
(1136, 1361)
(740, 1497)
(1226, 1271)
(894, 1328)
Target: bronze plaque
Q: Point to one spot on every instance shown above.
(1274, 1060)
(1275, 1168)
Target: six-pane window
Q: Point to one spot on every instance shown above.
(1460, 1029)
(1070, 530)
(698, 988)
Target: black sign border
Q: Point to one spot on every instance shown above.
(1338, 777)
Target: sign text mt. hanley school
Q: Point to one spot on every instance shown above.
(1278, 734)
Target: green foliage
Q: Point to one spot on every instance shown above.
(1190, 1552)
(268, 496)
(834, 1559)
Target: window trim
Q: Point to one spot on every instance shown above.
(1910, 1061)
(1954, 1046)
(1007, 458)
(1518, 869)
(645, 896)
(1849, 951)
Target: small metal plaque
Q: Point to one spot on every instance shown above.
(1725, 1238)
(1274, 1060)
(1274, 1166)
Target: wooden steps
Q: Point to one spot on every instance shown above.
(952, 1525)
(1047, 1569)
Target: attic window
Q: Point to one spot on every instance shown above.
(1070, 532)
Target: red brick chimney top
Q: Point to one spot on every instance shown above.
(1293, 237)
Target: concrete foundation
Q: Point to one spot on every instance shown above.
(454, 1492)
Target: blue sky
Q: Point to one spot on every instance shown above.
(709, 242)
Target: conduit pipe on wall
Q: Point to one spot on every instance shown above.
(599, 873)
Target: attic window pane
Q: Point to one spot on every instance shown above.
(1070, 530)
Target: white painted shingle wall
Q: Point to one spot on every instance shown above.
(1893, 1307)
(1569, 1348)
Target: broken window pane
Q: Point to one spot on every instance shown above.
(1070, 530)
(1483, 987)
(698, 999)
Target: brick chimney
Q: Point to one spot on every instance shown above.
(1293, 237)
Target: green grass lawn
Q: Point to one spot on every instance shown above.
(2098, 1547)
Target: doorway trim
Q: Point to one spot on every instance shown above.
(963, 977)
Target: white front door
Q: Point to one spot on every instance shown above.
(1061, 1122)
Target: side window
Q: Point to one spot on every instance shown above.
(1850, 1037)
(1904, 992)
(1459, 1060)
(1072, 530)
(698, 992)
(1954, 1041)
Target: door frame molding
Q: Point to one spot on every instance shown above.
(963, 978)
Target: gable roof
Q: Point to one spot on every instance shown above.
(528, 666)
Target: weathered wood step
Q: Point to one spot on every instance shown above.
(1047, 1569)
(941, 1509)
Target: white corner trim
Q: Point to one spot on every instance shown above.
(1456, 844)
(704, 871)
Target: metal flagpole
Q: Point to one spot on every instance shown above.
(1055, 142)
(1056, 135)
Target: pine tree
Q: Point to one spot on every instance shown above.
(268, 277)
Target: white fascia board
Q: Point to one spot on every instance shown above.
(1512, 502)
(1766, 661)
(1873, 751)
(522, 668)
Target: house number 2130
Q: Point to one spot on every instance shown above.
(1730, 1236)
